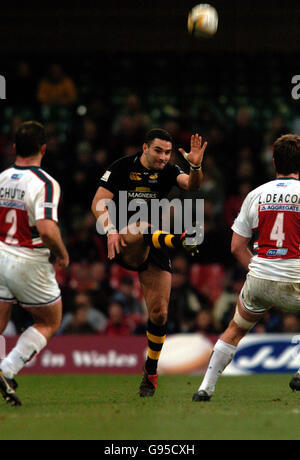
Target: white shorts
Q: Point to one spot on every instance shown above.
(32, 284)
(259, 295)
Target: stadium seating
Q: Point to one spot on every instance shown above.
(208, 279)
(116, 275)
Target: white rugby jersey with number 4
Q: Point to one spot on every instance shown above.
(271, 215)
(27, 194)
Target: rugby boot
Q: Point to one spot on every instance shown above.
(201, 396)
(148, 385)
(8, 390)
(193, 247)
(295, 382)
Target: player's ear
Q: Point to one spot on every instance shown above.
(145, 147)
(43, 149)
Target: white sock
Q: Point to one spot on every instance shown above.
(30, 343)
(222, 355)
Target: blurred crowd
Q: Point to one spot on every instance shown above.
(85, 135)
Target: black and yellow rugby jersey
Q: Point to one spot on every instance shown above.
(129, 175)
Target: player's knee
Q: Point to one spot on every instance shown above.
(159, 314)
(134, 233)
(234, 333)
(48, 329)
(55, 326)
(49, 324)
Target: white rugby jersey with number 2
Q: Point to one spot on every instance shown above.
(271, 215)
(27, 194)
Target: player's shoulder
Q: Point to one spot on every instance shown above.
(45, 174)
(261, 189)
(253, 196)
(172, 169)
(124, 162)
(280, 184)
(43, 179)
(7, 171)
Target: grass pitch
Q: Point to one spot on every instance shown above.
(108, 408)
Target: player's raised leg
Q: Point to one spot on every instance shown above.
(156, 287)
(135, 241)
(224, 350)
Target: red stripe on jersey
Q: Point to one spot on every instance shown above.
(15, 229)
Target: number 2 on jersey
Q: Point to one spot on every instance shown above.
(277, 234)
(11, 218)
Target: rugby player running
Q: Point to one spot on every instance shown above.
(29, 199)
(270, 214)
(149, 175)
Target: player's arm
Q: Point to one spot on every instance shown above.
(240, 249)
(46, 201)
(242, 233)
(100, 211)
(51, 237)
(192, 182)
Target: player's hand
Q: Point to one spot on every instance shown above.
(62, 262)
(114, 244)
(197, 150)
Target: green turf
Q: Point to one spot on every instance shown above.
(108, 407)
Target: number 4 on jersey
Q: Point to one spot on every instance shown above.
(277, 234)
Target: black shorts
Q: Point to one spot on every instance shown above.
(157, 257)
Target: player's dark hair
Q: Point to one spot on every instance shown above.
(29, 139)
(158, 133)
(286, 154)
